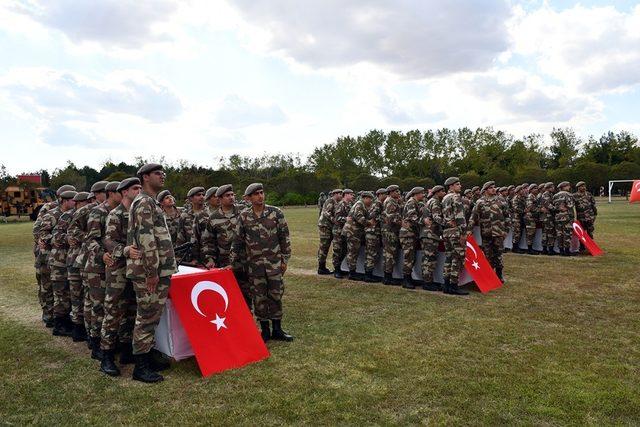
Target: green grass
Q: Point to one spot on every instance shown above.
(559, 344)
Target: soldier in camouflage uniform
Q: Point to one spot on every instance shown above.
(212, 202)
(171, 214)
(531, 217)
(218, 237)
(409, 233)
(339, 241)
(150, 274)
(321, 200)
(192, 222)
(120, 299)
(373, 236)
(431, 236)
(76, 291)
(475, 195)
(454, 236)
(391, 223)
(546, 218)
(262, 239)
(518, 206)
(563, 204)
(325, 229)
(467, 202)
(353, 231)
(586, 210)
(491, 214)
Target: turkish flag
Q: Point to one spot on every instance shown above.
(217, 320)
(635, 192)
(479, 268)
(585, 239)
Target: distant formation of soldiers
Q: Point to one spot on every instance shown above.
(104, 261)
(388, 223)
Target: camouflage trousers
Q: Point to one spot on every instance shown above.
(96, 298)
(390, 248)
(587, 224)
(429, 258)
(372, 246)
(119, 310)
(76, 295)
(530, 225)
(548, 233)
(517, 231)
(354, 242)
(493, 246)
(339, 249)
(86, 301)
(45, 291)
(454, 252)
(60, 287)
(245, 286)
(564, 232)
(326, 236)
(409, 245)
(267, 296)
(148, 312)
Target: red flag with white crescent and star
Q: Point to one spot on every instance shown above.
(217, 321)
(585, 239)
(635, 192)
(479, 268)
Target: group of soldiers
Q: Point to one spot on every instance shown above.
(104, 261)
(387, 223)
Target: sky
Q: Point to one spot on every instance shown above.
(92, 81)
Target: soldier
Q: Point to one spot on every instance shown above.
(391, 223)
(353, 230)
(475, 195)
(491, 214)
(431, 236)
(339, 241)
(218, 237)
(321, 200)
(262, 238)
(586, 210)
(467, 202)
(410, 232)
(192, 222)
(454, 235)
(373, 236)
(325, 229)
(212, 202)
(531, 217)
(120, 299)
(76, 291)
(171, 213)
(150, 274)
(563, 205)
(518, 206)
(546, 218)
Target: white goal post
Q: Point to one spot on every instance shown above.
(613, 182)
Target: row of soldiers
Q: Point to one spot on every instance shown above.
(387, 223)
(104, 260)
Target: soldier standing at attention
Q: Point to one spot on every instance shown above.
(325, 229)
(546, 217)
(431, 236)
(586, 210)
(467, 202)
(563, 205)
(454, 235)
(76, 291)
(192, 217)
(150, 274)
(212, 202)
(262, 238)
(171, 213)
(373, 236)
(391, 223)
(321, 200)
(339, 241)
(353, 230)
(120, 299)
(409, 233)
(518, 206)
(475, 195)
(531, 217)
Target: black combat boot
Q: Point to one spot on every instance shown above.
(265, 331)
(126, 354)
(453, 289)
(499, 274)
(545, 250)
(506, 250)
(47, 320)
(157, 361)
(564, 251)
(60, 327)
(79, 333)
(368, 276)
(108, 365)
(278, 334)
(337, 273)
(432, 286)
(532, 251)
(323, 270)
(142, 370)
(353, 275)
(388, 279)
(407, 282)
(551, 251)
(96, 353)
(516, 249)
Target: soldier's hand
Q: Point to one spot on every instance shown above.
(283, 267)
(427, 221)
(134, 253)
(152, 283)
(108, 260)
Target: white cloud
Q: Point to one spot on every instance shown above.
(236, 112)
(397, 112)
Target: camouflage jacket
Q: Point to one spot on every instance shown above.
(453, 214)
(467, 205)
(47, 207)
(340, 218)
(411, 214)
(375, 213)
(185, 229)
(60, 247)
(263, 241)
(491, 215)
(356, 220)
(532, 208)
(45, 231)
(115, 236)
(148, 232)
(432, 210)
(218, 237)
(173, 224)
(546, 206)
(391, 215)
(585, 206)
(518, 205)
(327, 216)
(200, 220)
(77, 236)
(96, 225)
(563, 205)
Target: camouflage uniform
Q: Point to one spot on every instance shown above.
(531, 217)
(186, 231)
(467, 204)
(325, 229)
(430, 237)
(455, 227)
(339, 241)
(148, 232)
(586, 210)
(45, 234)
(173, 224)
(409, 233)
(492, 216)
(546, 217)
(518, 205)
(80, 298)
(120, 299)
(391, 223)
(58, 266)
(353, 232)
(563, 205)
(43, 274)
(200, 220)
(264, 242)
(373, 236)
(94, 265)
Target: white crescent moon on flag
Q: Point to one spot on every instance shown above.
(470, 246)
(638, 187)
(579, 231)
(207, 286)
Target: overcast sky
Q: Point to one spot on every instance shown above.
(88, 81)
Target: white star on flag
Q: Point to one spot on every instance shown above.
(219, 322)
(475, 265)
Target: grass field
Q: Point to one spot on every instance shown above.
(559, 344)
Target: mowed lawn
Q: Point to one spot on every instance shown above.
(559, 344)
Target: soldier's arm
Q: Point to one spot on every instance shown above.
(360, 215)
(328, 211)
(238, 247)
(46, 229)
(209, 245)
(146, 239)
(74, 232)
(58, 234)
(413, 216)
(473, 219)
(283, 237)
(195, 239)
(112, 240)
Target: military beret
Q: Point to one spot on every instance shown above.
(148, 168)
(161, 195)
(81, 196)
(336, 191)
(210, 193)
(501, 189)
(367, 194)
(437, 188)
(467, 191)
(91, 196)
(64, 188)
(126, 183)
(415, 190)
(194, 191)
(252, 188)
(487, 185)
(224, 189)
(347, 191)
(381, 191)
(533, 186)
(99, 186)
(475, 188)
(67, 195)
(112, 186)
(511, 187)
(580, 183)
(563, 183)
(548, 185)
(451, 180)
(392, 188)
(518, 188)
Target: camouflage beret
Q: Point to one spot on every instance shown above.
(112, 186)
(68, 195)
(99, 186)
(580, 183)
(347, 191)
(64, 188)
(563, 183)
(451, 180)
(126, 183)
(392, 188)
(501, 189)
(367, 194)
(223, 189)
(467, 191)
(210, 193)
(437, 188)
(381, 191)
(161, 195)
(194, 191)
(336, 191)
(533, 187)
(252, 188)
(148, 168)
(81, 197)
(415, 190)
(475, 188)
(487, 185)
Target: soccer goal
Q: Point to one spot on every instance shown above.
(620, 193)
